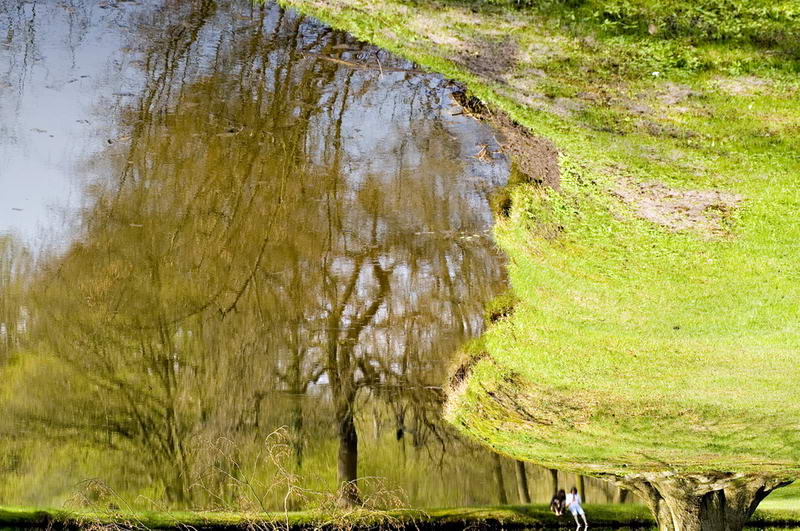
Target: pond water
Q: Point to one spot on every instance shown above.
(239, 250)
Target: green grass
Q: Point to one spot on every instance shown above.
(633, 347)
(508, 516)
(786, 499)
(756, 22)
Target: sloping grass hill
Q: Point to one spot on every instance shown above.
(657, 322)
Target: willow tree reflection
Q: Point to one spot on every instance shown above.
(272, 223)
(16, 264)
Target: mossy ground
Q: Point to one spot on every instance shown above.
(657, 328)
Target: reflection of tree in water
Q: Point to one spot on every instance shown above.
(15, 268)
(245, 249)
(250, 259)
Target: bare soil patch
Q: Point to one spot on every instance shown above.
(492, 59)
(535, 157)
(743, 86)
(674, 93)
(703, 211)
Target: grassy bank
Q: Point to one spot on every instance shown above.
(657, 318)
(457, 518)
(532, 516)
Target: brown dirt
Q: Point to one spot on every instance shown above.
(664, 129)
(703, 211)
(535, 157)
(674, 93)
(743, 86)
(462, 371)
(492, 59)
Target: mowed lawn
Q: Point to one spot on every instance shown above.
(656, 326)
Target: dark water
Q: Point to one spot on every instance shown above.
(233, 241)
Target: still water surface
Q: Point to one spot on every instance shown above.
(219, 220)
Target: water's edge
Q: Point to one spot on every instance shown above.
(535, 516)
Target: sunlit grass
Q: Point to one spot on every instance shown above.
(537, 515)
(633, 347)
(529, 515)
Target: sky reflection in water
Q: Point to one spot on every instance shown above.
(257, 222)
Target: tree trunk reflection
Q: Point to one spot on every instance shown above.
(272, 230)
